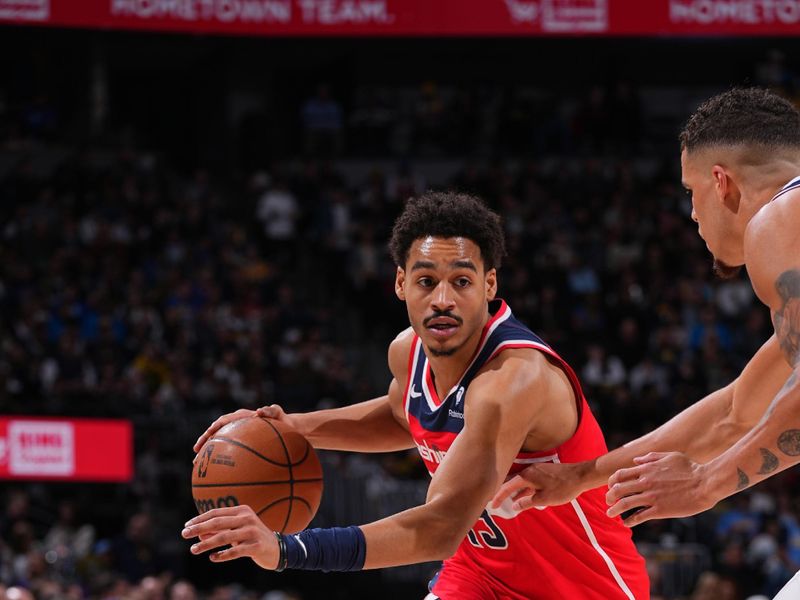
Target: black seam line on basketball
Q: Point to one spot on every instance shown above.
(249, 449)
(284, 499)
(291, 475)
(212, 485)
(305, 456)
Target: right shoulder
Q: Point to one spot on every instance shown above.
(399, 351)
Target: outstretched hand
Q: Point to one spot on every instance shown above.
(237, 527)
(543, 484)
(662, 485)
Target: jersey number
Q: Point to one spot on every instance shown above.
(494, 539)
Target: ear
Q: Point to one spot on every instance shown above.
(726, 189)
(491, 284)
(399, 282)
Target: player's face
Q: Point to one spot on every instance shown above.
(715, 223)
(446, 291)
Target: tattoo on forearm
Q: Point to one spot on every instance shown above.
(789, 442)
(769, 462)
(787, 319)
(744, 480)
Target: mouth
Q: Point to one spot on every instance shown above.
(442, 328)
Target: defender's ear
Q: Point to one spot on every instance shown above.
(726, 189)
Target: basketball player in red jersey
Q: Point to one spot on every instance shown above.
(480, 396)
(740, 158)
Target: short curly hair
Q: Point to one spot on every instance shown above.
(743, 116)
(447, 215)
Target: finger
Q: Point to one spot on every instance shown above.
(273, 411)
(622, 489)
(509, 488)
(650, 457)
(525, 503)
(227, 515)
(222, 538)
(232, 553)
(628, 474)
(626, 504)
(210, 528)
(641, 516)
(218, 424)
(525, 492)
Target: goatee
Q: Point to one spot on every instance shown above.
(725, 271)
(438, 353)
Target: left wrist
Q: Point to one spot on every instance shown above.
(282, 559)
(707, 477)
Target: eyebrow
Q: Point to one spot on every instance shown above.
(423, 264)
(464, 264)
(458, 264)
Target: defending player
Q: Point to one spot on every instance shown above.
(480, 396)
(740, 158)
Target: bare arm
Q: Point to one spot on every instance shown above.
(774, 443)
(715, 423)
(672, 485)
(702, 431)
(495, 428)
(377, 425)
(370, 426)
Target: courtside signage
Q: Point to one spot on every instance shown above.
(418, 17)
(25, 10)
(66, 449)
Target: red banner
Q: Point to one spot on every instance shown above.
(418, 17)
(66, 449)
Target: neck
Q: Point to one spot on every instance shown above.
(447, 370)
(761, 182)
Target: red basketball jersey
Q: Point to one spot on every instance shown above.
(569, 552)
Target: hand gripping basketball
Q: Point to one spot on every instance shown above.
(261, 463)
(237, 527)
(272, 411)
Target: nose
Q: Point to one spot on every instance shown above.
(694, 216)
(443, 298)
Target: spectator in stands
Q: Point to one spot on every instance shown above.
(323, 123)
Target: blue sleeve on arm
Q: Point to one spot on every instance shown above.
(333, 549)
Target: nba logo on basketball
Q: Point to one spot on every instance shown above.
(202, 466)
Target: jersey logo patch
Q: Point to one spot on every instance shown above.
(414, 393)
(459, 395)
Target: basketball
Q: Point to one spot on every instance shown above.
(264, 464)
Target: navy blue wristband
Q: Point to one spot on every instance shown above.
(333, 549)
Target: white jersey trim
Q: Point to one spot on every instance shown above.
(593, 539)
(526, 343)
(410, 390)
(538, 459)
(788, 187)
(425, 367)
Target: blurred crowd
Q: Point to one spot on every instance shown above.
(433, 119)
(131, 289)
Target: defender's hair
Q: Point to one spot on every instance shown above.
(447, 215)
(743, 117)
